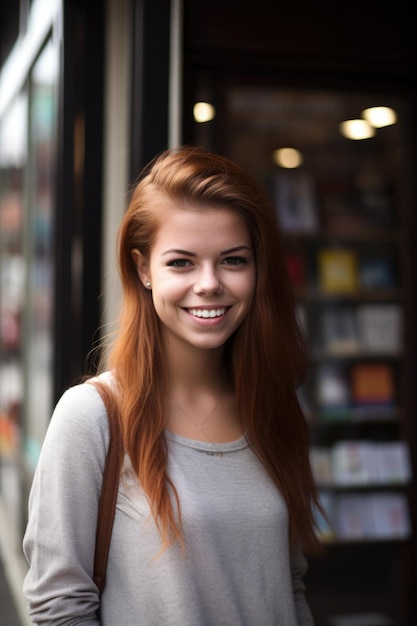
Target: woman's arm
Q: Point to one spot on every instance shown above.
(60, 537)
(298, 569)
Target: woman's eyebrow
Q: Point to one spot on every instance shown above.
(175, 251)
(237, 249)
(193, 254)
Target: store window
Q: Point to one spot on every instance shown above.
(27, 196)
(13, 156)
(40, 247)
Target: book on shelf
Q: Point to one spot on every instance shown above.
(372, 384)
(296, 202)
(337, 270)
(390, 515)
(338, 331)
(393, 462)
(377, 273)
(361, 463)
(353, 517)
(354, 463)
(380, 328)
(332, 389)
(371, 516)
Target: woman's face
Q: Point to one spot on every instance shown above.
(202, 274)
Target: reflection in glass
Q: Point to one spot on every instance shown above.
(27, 188)
(13, 143)
(40, 229)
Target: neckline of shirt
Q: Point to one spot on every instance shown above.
(205, 446)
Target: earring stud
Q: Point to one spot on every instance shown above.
(148, 285)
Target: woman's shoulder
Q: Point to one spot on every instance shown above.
(81, 408)
(84, 395)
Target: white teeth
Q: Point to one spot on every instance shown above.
(207, 312)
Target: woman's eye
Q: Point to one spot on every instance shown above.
(235, 260)
(179, 263)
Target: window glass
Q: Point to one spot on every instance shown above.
(40, 240)
(13, 154)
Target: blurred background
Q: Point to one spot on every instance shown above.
(318, 102)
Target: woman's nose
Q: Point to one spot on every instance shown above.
(208, 282)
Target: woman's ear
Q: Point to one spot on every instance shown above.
(142, 267)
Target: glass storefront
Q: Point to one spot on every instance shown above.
(40, 247)
(13, 158)
(27, 190)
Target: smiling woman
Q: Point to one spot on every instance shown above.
(198, 273)
(216, 492)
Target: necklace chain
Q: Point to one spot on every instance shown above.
(200, 427)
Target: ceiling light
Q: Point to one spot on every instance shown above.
(287, 157)
(357, 129)
(203, 112)
(380, 116)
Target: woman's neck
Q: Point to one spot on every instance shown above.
(200, 402)
(194, 369)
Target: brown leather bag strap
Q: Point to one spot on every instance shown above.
(107, 502)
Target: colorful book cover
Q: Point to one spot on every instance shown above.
(337, 271)
(354, 463)
(372, 384)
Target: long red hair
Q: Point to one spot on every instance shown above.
(266, 355)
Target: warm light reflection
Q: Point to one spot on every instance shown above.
(287, 157)
(203, 112)
(380, 116)
(357, 129)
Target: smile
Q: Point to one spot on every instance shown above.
(207, 313)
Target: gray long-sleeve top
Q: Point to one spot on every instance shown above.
(236, 569)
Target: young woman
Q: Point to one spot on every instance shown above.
(215, 503)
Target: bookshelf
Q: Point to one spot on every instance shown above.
(345, 218)
(352, 300)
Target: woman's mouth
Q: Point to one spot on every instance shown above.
(207, 313)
